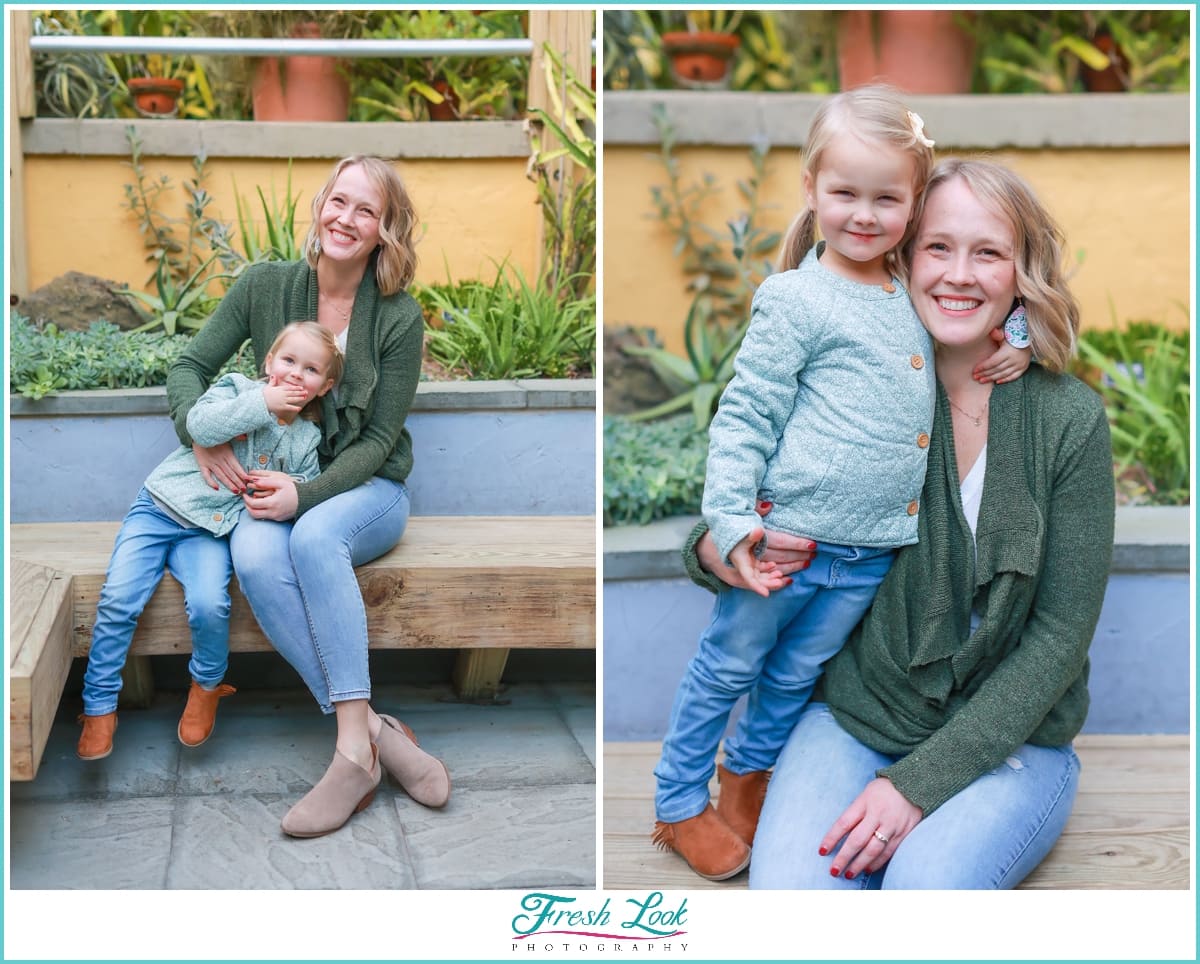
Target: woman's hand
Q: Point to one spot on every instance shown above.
(783, 555)
(219, 465)
(873, 827)
(273, 496)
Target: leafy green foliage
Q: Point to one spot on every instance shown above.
(279, 223)
(510, 329)
(1143, 375)
(47, 359)
(567, 195)
(652, 470)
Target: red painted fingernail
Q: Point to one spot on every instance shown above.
(822, 851)
(834, 871)
(850, 875)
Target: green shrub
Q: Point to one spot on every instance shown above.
(652, 470)
(48, 359)
(510, 329)
(1143, 373)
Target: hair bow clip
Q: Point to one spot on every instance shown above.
(918, 128)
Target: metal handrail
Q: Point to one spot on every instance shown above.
(271, 47)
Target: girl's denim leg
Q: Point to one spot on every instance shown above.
(201, 563)
(300, 582)
(992, 834)
(819, 773)
(844, 581)
(134, 572)
(730, 656)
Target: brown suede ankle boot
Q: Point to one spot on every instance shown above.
(200, 714)
(741, 799)
(96, 740)
(706, 842)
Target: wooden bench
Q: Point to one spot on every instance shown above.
(1129, 828)
(477, 584)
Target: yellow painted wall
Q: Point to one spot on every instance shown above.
(1125, 210)
(471, 211)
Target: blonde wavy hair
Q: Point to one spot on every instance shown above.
(397, 261)
(875, 113)
(1039, 247)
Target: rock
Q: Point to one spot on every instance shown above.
(74, 300)
(630, 384)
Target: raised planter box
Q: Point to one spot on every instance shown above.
(1140, 676)
(480, 448)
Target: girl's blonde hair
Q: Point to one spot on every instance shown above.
(1039, 247)
(397, 261)
(875, 113)
(333, 370)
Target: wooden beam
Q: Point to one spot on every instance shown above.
(23, 104)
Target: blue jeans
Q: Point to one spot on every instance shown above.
(299, 580)
(988, 836)
(772, 648)
(148, 543)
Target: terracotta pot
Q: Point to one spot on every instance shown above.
(918, 51)
(447, 110)
(303, 88)
(1110, 80)
(156, 96)
(700, 59)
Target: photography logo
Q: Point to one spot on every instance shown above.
(548, 922)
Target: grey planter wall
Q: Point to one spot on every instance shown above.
(1140, 675)
(480, 448)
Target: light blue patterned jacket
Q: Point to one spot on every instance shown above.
(827, 416)
(234, 411)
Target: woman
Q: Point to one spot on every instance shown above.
(296, 547)
(937, 750)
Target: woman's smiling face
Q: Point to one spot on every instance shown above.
(350, 217)
(963, 279)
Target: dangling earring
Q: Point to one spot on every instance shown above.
(316, 247)
(1016, 326)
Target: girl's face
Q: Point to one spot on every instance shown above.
(349, 220)
(862, 196)
(964, 278)
(303, 361)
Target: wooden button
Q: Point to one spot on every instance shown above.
(923, 440)
(282, 421)
(889, 288)
(917, 362)
(217, 517)
(912, 507)
(262, 460)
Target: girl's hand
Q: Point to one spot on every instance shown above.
(1005, 364)
(784, 555)
(880, 811)
(219, 465)
(283, 398)
(742, 557)
(273, 496)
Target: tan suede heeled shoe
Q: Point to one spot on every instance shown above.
(423, 776)
(344, 790)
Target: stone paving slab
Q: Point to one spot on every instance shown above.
(156, 815)
(511, 838)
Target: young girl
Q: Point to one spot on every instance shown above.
(179, 522)
(824, 429)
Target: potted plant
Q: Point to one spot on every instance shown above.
(919, 51)
(72, 84)
(293, 88)
(701, 54)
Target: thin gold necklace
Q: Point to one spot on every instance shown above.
(344, 312)
(977, 419)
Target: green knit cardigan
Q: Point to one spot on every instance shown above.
(363, 426)
(912, 680)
